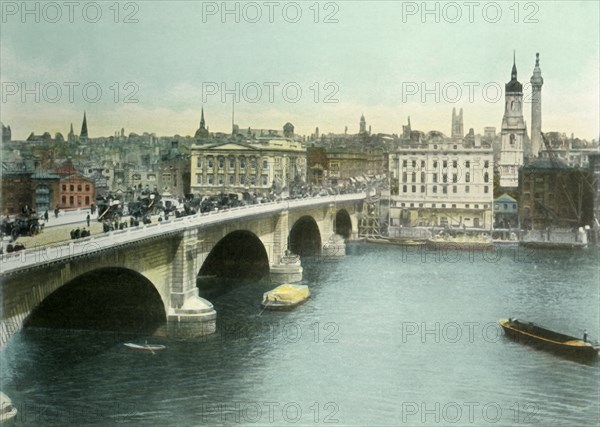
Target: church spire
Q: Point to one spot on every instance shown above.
(513, 74)
(83, 135)
(202, 122)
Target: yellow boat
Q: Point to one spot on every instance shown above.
(285, 297)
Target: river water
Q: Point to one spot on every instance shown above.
(390, 336)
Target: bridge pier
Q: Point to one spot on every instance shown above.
(284, 269)
(188, 316)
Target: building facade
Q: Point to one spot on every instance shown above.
(441, 184)
(76, 192)
(234, 167)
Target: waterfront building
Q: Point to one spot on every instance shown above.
(506, 212)
(536, 108)
(513, 134)
(441, 183)
(258, 166)
(554, 195)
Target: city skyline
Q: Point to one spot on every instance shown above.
(366, 61)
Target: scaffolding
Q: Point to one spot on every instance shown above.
(369, 224)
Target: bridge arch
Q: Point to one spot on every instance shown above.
(240, 255)
(109, 298)
(305, 237)
(343, 224)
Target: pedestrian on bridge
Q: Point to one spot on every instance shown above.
(87, 219)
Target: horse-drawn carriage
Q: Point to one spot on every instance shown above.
(22, 225)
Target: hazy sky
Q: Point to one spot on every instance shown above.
(372, 61)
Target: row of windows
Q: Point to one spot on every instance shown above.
(486, 177)
(231, 180)
(210, 162)
(72, 187)
(443, 205)
(72, 200)
(486, 164)
(434, 189)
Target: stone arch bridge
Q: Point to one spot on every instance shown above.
(151, 272)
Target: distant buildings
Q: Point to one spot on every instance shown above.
(6, 133)
(258, 166)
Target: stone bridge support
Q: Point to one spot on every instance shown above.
(188, 315)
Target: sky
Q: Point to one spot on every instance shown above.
(150, 66)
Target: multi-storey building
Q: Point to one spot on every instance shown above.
(76, 192)
(439, 184)
(233, 167)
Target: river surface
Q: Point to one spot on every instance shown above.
(390, 336)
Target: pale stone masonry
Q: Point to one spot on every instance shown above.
(441, 183)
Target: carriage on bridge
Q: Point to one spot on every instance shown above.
(22, 225)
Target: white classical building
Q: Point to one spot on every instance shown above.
(441, 183)
(258, 166)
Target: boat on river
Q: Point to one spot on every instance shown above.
(462, 240)
(8, 412)
(151, 348)
(285, 297)
(394, 241)
(530, 333)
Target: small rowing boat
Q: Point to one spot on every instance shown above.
(531, 333)
(145, 347)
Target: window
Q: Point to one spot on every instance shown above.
(468, 164)
(78, 200)
(434, 188)
(445, 178)
(505, 206)
(242, 163)
(468, 177)
(455, 147)
(445, 189)
(486, 177)
(87, 187)
(420, 205)
(514, 207)
(467, 188)
(199, 162)
(435, 177)
(71, 187)
(404, 163)
(414, 177)
(453, 206)
(71, 200)
(454, 189)
(402, 204)
(221, 162)
(404, 188)
(265, 164)
(422, 188)
(445, 164)
(435, 164)
(443, 205)
(232, 163)
(78, 187)
(198, 178)
(486, 189)
(414, 188)
(210, 180)
(433, 205)
(476, 206)
(454, 164)
(231, 179)
(87, 200)
(64, 187)
(64, 200)
(485, 206)
(467, 206)
(412, 205)
(264, 180)
(404, 176)
(422, 176)
(220, 180)
(486, 164)
(210, 163)
(422, 163)
(454, 177)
